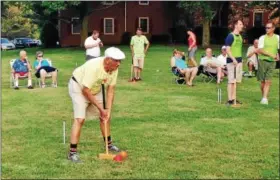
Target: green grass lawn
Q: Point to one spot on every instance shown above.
(170, 131)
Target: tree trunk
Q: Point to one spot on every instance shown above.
(206, 33)
(84, 30)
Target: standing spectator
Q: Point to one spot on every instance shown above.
(268, 55)
(138, 51)
(252, 57)
(234, 42)
(21, 67)
(92, 45)
(192, 47)
(43, 68)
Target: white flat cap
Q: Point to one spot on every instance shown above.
(224, 47)
(114, 53)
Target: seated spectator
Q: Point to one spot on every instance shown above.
(22, 68)
(252, 57)
(222, 60)
(182, 67)
(212, 65)
(43, 68)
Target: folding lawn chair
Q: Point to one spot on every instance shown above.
(12, 76)
(206, 75)
(48, 76)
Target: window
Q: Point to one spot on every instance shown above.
(76, 25)
(109, 26)
(258, 19)
(108, 2)
(144, 24)
(143, 2)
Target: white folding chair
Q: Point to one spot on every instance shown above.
(12, 76)
(48, 76)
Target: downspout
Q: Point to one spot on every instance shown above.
(59, 24)
(124, 16)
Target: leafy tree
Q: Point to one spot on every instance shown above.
(203, 12)
(14, 24)
(47, 11)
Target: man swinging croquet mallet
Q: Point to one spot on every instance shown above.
(85, 92)
(233, 44)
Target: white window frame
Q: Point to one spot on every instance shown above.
(258, 11)
(113, 27)
(148, 24)
(108, 3)
(73, 25)
(142, 3)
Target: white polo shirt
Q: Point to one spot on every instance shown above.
(95, 51)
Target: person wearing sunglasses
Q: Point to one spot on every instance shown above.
(268, 55)
(43, 68)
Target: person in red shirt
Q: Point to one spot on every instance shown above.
(192, 47)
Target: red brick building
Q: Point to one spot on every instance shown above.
(113, 21)
(120, 17)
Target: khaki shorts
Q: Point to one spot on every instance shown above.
(82, 107)
(265, 71)
(138, 62)
(230, 70)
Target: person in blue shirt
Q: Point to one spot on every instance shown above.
(182, 68)
(43, 68)
(22, 68)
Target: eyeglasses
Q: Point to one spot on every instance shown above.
(40, 56)
(268, 27)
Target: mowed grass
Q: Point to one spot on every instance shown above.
(169, 131)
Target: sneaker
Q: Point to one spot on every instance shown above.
(74, 157)
(16, 88)
(43, 86)
(54, 85)
(113, 148)
(264, 101)
(229, 102)
(30, 87)
(238, 102)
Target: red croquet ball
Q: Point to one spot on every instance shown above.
(118, 158)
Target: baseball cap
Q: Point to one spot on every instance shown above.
(224, 47)
(114, 53)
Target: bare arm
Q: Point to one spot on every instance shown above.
(250, 54)
(28, 65)
(91, 45)
(87, 93)
(172, 62)
(147, 47)
(261, 51)
(132, 51)
(194, 41)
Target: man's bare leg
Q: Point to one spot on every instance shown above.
(266, 88)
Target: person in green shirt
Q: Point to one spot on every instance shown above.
(268, 55)
(138, 51)
(233, 43)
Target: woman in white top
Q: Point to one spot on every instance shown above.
(92, 45)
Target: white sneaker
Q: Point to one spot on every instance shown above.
(264, 101)
(54, 85)
(43, 86)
